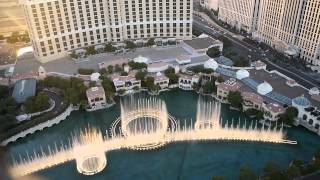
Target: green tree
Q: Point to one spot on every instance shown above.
(92, 83)
(170, 70)
(254, 112)
(293, 172)
(7, 121)
(72, 96)
(74, 55)
(13, 38)
(85, 71)
(90, 50)
(209, 88)
(130, 45)
(37, 103)
(200, 69)
(110, 69)
(42, 101)
(213, 52)
(124, 74)
(235, 99)
(220, 79)
(4, 90)
(196, 87)
(241, 62)
(150, 42)
(117, 68)
(173, 78)
(25, 37)
(103, 71)
(289, 116)
(317, 159)
(247, 174)
(272, 172)
(134, 65)
(10, 102)
(108, 87)
(110, 48)
(226, 42)
(317, 154)
(170, 73)
(217, 178)
(140, 75)
(150, 84)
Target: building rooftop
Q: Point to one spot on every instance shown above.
(242, 73)
(23, 89)
(279, 85)
(258, 64)
(118, 78)
(158, 65)
(26, 75)
(230, 85)
(94, 92)
(211, 64)
(225, 61)
(253, 97)
(301, 101)
(160, 77)
(183, 59)
(264, 88)
(202, 43)
(275, 108)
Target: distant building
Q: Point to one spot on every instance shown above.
(252, 101)
(125, 83)
(23, 89)
(187, 81)
(157, 67)
(183, 59)
(223, 89)
(241, 14)
(210, 4)
(96, 98)
(272, 111)
(290, 26)
(58, 27)
(259, 65)
(161, 80)
(308, 115)
(199, 46)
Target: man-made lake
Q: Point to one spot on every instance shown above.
(189, 160)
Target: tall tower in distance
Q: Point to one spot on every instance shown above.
(292, 27)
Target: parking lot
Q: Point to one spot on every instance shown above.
(68, 66)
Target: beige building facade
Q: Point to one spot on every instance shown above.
(292, 27)
(59, 26)
(241, 14)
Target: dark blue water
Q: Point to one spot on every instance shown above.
(193, 160)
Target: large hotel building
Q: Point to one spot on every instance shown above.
(241, 14)
(290, 26)
(58, 26)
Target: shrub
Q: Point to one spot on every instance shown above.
(85, 71)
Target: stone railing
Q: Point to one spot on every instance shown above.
(40, 127)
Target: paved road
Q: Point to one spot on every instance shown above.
(214, 30)
(57, 99)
